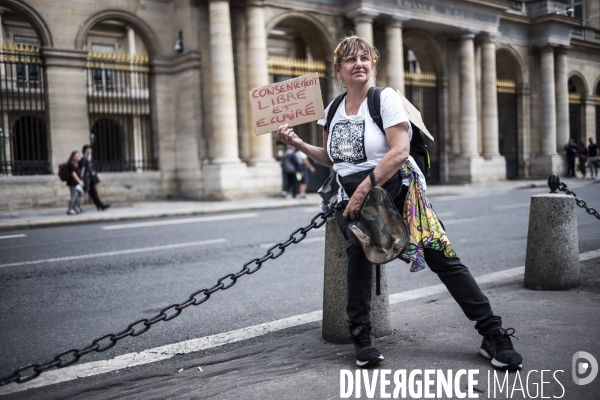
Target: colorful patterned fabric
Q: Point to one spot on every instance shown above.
(425, 230)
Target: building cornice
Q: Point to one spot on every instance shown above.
(555, 18)
(170, 66)
(499, 4)
(522, 19)
(69, 58)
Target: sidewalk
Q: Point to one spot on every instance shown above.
(430, 333)
(45, 217)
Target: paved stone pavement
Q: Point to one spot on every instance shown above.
(429, 334)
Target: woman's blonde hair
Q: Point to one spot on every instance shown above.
(351, 45)
(72, 156)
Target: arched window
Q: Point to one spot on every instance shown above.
(23, 133)
(118, 98)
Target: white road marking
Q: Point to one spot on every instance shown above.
(13, 236)
(179, 221)
(459, 220)
(445, 214)
(466, 196)
(310, 240)
(510, 206)
(193, 345)
(118, 252)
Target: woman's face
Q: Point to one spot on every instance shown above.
(356, 68)
(77, 156)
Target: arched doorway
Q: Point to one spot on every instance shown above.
(421, 69)
(508, 74)
(29, 146)
(108, 139)
(23, 133)
(296, 48)
(119, 98)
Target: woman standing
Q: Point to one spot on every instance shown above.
(74, 183)
(354, 146)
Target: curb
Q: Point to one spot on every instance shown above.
(31, 223)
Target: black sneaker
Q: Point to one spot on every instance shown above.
(364, 345)
(499, 348)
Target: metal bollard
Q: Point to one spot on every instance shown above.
(552, 258)
(335, 325)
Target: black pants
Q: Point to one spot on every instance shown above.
(94, 195)
(570, 167)
(453, 274)
(292, 184)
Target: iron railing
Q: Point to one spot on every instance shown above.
(119, 107)
(421, 89)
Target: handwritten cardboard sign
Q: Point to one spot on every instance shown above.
(414, 115)
(293, 102)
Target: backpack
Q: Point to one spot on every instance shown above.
(290, 163)
(418, 148)
(63, 172)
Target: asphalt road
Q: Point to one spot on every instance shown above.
(51, 306)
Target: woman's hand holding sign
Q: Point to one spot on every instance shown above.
(288, 136)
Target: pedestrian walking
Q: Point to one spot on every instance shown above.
(292, 172)
(583, 156)
(355, 147)
(593, 156)
(74, 183)
(571, 150)
(90, 177)
(305, 167)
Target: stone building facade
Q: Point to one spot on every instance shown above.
(160, 87)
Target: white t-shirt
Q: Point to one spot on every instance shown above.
(356, 144)
(300, 156)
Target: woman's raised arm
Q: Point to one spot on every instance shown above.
(319, 154)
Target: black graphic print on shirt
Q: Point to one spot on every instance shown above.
(348, 142)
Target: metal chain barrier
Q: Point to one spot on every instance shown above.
(140, 326)
(580, 203)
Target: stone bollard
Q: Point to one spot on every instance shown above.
(335, 325)
(552, 258)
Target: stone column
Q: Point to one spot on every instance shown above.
(261, 147)
(395, 53)
(590, 118)
(226, 177)
(468, 165)
(137, 135)
(547, 160)
(468, 105)
(548, 102)
(489, 98)
(224, 135)
(562, 99)
(363, 24)
(68, 114)
(240, 54)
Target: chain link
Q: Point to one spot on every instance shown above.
(174, 309)
(580, 203)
